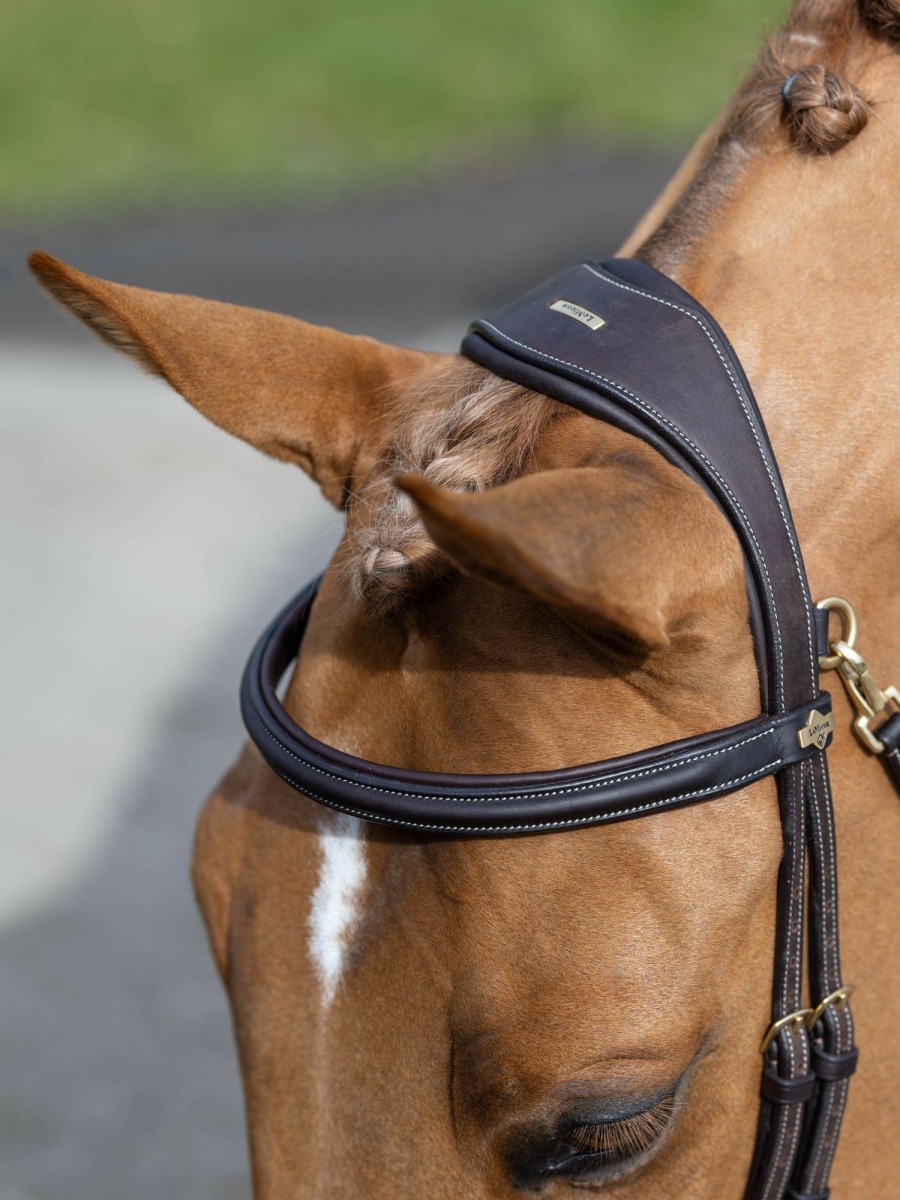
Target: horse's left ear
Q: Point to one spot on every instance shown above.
(300, 392)
(627, 554)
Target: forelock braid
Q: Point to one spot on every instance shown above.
(471, 431)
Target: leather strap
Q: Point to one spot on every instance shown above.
(780, 1127)
(832, 1036)
(889, 734)
(821, 619)
(618, 789)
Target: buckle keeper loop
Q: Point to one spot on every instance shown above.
(778, 1090)
(834, 1066)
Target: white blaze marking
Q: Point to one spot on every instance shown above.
(334, 912)
(808, 39)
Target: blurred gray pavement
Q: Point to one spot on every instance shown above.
(385, 265)
(141, 553)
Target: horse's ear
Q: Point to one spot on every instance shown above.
(299, 392)
(625, 554)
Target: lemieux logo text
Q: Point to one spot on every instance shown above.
(584, 315)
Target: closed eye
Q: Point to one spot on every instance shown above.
(611, 1143)
(587, 1150)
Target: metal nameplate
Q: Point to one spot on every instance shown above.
(818, 729)
(584, 315)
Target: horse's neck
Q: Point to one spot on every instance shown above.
(800, 265)
(811, 317)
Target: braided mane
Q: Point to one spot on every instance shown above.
(800, 95)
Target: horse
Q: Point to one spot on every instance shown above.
(521, 587)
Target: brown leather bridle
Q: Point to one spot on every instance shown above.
(624, 343)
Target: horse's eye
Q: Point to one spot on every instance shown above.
(586, 1149)
(610, 1143)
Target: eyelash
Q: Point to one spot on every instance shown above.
(614, 1142)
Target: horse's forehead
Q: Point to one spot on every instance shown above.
(470, 925)
(501, 912)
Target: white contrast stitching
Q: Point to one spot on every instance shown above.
(776, 1157)
(648, 408)
(685, 760)
(836, 1093)
(833, 1132)
(775, 1172)
(831, 872)
(790, 1114)
(811, 1173)
(832, 843)
(793, 1111)
(591, 818)
(795, 930)
(795, 549)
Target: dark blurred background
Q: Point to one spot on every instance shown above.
(390, 168)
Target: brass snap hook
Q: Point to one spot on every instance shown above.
(873, 704)
(849, 629)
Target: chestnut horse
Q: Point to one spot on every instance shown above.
(436, 1018)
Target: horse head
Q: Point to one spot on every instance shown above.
(521, 587)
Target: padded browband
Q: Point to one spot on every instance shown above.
(661, 368)
(664, 777)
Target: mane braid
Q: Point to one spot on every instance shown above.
(799, 95)
(471, 431)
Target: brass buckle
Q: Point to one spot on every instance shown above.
(871, 702)
(794, 1021)
(837, 1000)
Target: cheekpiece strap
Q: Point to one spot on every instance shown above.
(622, 342)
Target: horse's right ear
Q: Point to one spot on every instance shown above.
(299, 392)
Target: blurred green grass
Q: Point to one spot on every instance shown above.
(122, 103)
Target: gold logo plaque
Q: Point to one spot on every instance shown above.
(817, 730)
